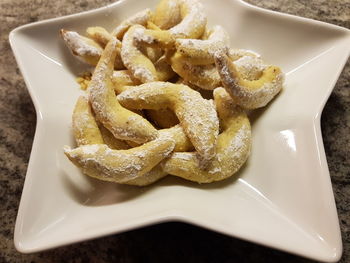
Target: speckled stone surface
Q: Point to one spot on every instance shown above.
(170, 242)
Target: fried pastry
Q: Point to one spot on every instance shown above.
(232, 149)
(250, 94)
(196, 115)
(122, 123)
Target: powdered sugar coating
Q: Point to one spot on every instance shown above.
(106, 107)
(140, 18)
(84, 125)
(249, 67)
(197, 116)
(167, 14)
(203, 76)
(232, 150)
(240, 89)
(193, 22)
(139, 65)
(79, 45)
(99, 161)
(197, 49)
(221, 158)
(235, 54)
(140, 36)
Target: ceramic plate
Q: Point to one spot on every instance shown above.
(282, 198)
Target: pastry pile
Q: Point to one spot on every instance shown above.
(168, 95)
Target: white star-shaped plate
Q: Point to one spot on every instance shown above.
(282, 198)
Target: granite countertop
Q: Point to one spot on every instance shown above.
(169, 242)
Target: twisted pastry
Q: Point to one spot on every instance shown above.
(122, 123)
(250, 94)
(232, 149)
(196, 115)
